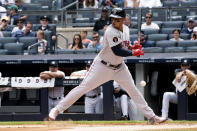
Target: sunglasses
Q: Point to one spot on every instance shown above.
(76, 38)
(95, 37)
(148, 17)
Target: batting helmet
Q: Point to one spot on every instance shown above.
(118, 13)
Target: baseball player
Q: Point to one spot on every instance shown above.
(109, 65)
(57, 93)
(128, 107)
(94, 98)
(172, 96)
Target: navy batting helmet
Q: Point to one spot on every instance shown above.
(118, 13)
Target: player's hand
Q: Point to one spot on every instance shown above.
(137, 52)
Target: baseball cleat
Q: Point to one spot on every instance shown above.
(156, 119)
(53, 114)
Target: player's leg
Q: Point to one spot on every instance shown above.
(99, 105)
(167, 98)
(124, 106)
(125, 80)
(97, 75)
(132, 109)
(89, 105)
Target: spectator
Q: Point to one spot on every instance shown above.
(44, 21)
(149, 24)
(27, 32)
(96, 44)
(42, 43)
(77, 43)
(4, 24)
(190, 26)
(7, 3)
(128, 107)
(94, 98)
(176, 35)
(127, 20)
(21, 7)
(20, 26)
(90, 4)
(108, 4)
(172, 96)
(14, 16)
(3, 11)
(55, 94)
(84, 34)
(131, 3)
(149, 3)
(143, 40)
(194, 34)
(104, 20)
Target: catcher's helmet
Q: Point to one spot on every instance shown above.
(118, 13)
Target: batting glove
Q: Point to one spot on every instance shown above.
(137, 52)
(136, 46)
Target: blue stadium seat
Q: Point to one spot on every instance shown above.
(134, 24)
(14, 48)
(3, 52)
(133, 37)
(170, 3)
(7, 33)
(150, 31)
(157, 37)
(188, 3)
(168, 30)
(173, 49)
(153, 50)
(165, 43)
(27, 41)
(5, 40)
(182, 35)
(87, 51)
(191, 49)
(1, 46)
(187, 43)
(133, 31)
(64, 51)
(172, 24)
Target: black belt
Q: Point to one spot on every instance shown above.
(94, 96)
(56, 98)
(110, 65)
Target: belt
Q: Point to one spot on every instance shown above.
(110, 65)
(94, 96)
(56, 98)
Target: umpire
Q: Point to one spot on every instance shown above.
(56, 93)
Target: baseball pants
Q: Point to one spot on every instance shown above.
(94, 105)
(52, 103)
(99, 74)
(167, 98)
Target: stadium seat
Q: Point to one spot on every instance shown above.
(173, 49)
(1, 46)
(172, 24)
(134, 24)
(150, 31)
(165, 43)
(159, 23)
(157, 37)
(168, 30)
(3, 52)
(64, 51)
(188, 3)
(133, 31)
(7, 33)
(178, 14)
(133, 37)
(170, 3)
(27, 41)
(187, 43)
(191, 49)
(4, 40)
(11, 27)
(14, 48)
(159, 14)
(182, 36)
(87, 51)
(152, 50)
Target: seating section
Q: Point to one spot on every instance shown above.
(14, 48)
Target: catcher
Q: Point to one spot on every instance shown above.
(181, 80)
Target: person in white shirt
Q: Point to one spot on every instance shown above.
(149, 3)
(176, 35)
(149, 24)
(20, 26)
(131, 3)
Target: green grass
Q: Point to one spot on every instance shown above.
(90, 122)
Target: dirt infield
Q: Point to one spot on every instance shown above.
(68, 126)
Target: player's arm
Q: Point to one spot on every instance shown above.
(179, 76)
(55, 75)
(44, 75)
(119, 51)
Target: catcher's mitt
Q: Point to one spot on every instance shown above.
(191, 82)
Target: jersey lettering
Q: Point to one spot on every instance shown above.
(125, 43)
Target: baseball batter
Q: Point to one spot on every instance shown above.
(109, 65)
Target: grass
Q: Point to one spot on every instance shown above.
(91, 122)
